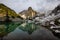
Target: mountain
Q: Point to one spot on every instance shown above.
(28, 14)
(4, 10)
(56, 10)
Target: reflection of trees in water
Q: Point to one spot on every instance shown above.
(7, 28)
(28, 27)
(11, 26)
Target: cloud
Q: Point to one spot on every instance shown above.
(19, 5)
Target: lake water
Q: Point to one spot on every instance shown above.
(25, 31)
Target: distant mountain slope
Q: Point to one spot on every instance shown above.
(28, 14)
(56, 10)
(4, 9)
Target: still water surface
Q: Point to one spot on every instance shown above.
(25, 31)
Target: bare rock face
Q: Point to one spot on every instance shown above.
(56, 10)
(28, 14)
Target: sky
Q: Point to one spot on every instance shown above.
(20, 5)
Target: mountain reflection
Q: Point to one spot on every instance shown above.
(28, 27)
(8, 27)
(16, 27)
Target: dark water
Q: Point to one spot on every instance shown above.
(24, 31)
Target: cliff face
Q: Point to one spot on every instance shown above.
(56, 10)
(28, 14)
(4, 10)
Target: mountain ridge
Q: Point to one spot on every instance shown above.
(4, 9)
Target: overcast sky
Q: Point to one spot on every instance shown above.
(19, 5)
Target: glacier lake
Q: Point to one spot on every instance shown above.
(24, 31)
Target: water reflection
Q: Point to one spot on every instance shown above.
(28, 27)
(7, 27)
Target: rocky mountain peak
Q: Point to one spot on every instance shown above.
(28, 14)
(30, 8)
(57, 9)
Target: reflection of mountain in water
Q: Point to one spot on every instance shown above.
(18, 30)
(6, 28)
(28, 27)
(36, 32)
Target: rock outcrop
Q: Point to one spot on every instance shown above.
(28, 14)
